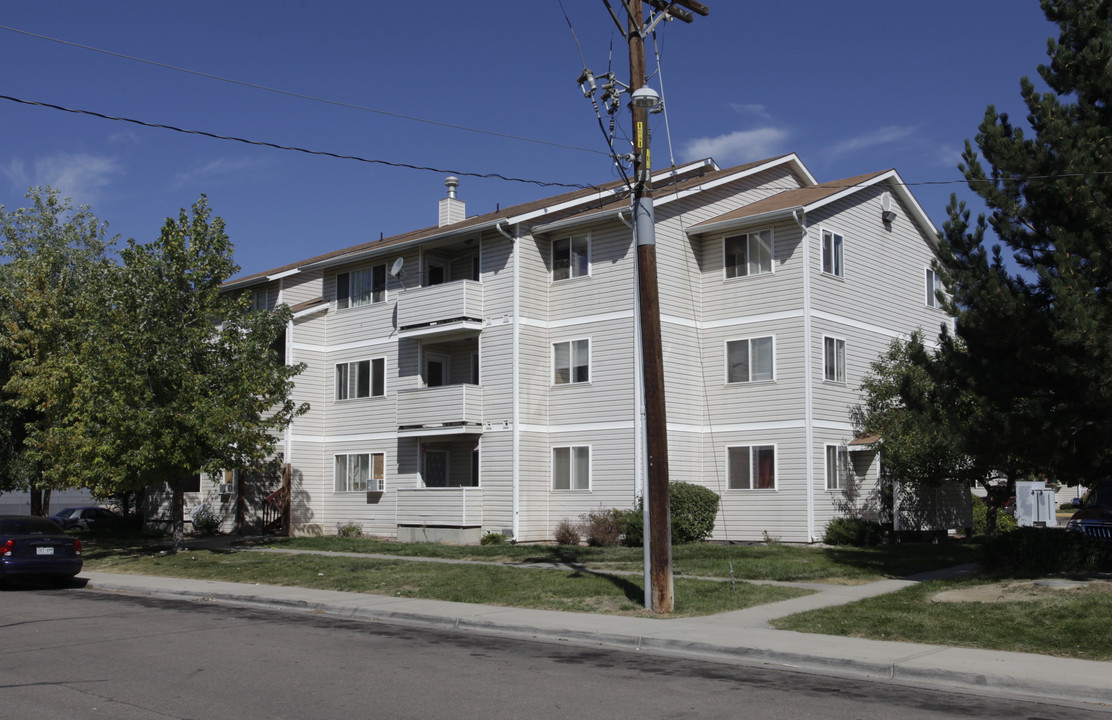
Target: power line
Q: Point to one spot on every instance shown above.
(261, 143)
(300, 96)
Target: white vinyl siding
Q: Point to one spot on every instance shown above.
(571, 362)
(750, 360)
(571, 257)
(571, 468)
(357, 472)
(751, 467)
(748, 254)
(832, 254)
(834, 359)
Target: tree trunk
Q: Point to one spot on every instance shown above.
(177, 511)
(36, 500)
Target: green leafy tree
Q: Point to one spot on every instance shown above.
(921, 423)
(1034, 346)
(56, 257)
(182, 378)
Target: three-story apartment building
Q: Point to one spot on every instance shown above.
(481, 375)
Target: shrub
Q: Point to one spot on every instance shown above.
(633, 526)
(1043, 551)
(205, 520)
(858, 532)
(349, 530)
(1004, 522)
(492, 538)
(692, 508)
(603, 527)
(567, 532)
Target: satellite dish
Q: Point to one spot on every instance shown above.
(396, 268)
(886, 202)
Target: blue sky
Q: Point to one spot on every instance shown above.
(852, 87)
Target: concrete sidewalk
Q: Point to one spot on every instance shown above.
(741, 637)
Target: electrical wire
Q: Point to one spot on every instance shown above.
(300, 96)
(338, 156)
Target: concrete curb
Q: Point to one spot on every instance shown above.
(715, 639)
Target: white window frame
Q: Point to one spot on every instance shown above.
(838, 345)
(372, 294)
(343, 465)
(746, 268)
(750, 341)
(572, 352)
(574, 483)
(837, 466)
(572, 269)
(752, 458)
(832, 254)
(933, 283)
(343, 385)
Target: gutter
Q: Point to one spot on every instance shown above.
(800, 217)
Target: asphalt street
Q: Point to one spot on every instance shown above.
(80, 653)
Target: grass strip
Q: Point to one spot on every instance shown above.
(767, 561)
(1068, 623)
(573, 591)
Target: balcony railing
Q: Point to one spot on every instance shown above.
(424, 309)
(452, 507)
(445, 407)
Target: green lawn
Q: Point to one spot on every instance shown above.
(571, 590)
(769, 561)
(1066, 623)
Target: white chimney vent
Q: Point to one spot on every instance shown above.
(452, 209)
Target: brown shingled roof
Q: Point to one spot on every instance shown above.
(607, 199)
(789, 199)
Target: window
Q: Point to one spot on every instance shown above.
(837, 467)
(571, 257)
(834, 359)
(571, 362)
(751, 467)
(571, 468)
(360, 471)
(934, 286)
(748, 254)
(360, 379)
(361, 287)
(260, 299)
(749, 360)
(832, 253)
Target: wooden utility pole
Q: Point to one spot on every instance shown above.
(659, 531)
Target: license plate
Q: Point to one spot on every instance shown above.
(44, 551)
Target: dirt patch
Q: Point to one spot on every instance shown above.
(1023, 590)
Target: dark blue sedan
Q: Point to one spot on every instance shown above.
(34, 547)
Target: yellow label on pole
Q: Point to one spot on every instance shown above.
(648, 159)
(640, 135)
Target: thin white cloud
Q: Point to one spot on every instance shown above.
(217, 171)
(881, 136)
(79, 176)
(752, 110)
(739, 146)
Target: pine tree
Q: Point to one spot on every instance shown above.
(1034, 346)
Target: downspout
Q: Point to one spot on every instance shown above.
(287, 450)
(800, 217)
(515, 464)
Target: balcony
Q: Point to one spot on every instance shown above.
(440, 514)
(443, 410)
(453, 308)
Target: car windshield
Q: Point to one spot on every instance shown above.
(1101, 496)
(67, 512)
(28, 526)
